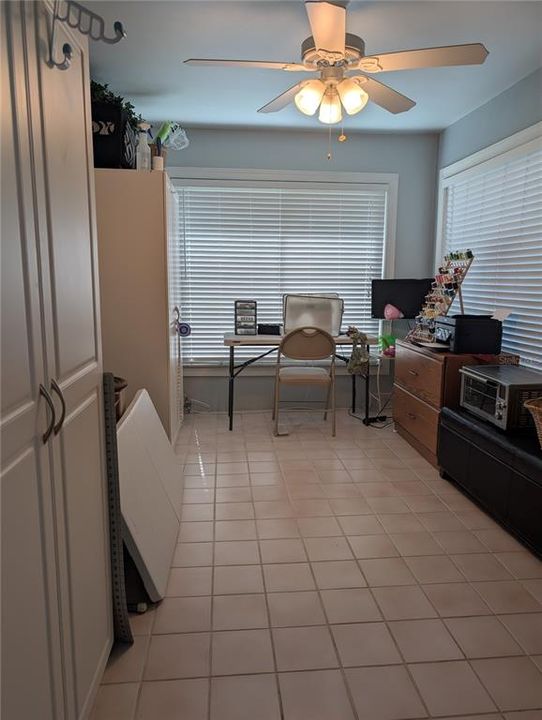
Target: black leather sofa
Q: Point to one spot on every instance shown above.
(501, 472)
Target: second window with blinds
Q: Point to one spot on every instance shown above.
(262, 241)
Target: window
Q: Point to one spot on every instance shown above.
(265, 239)
(495, 209)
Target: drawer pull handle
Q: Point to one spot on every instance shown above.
(413, 372)
(411, 416)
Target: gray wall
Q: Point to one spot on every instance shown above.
(513, 110)
(412, 156)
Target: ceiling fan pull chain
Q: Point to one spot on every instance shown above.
(329, 156)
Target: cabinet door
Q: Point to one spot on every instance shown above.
(74, 359)
(174, 260)
(31, 656)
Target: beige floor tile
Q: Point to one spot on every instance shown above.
(459, 541)
(384, 693)
(187, 581)
(238, 652)
(245, 697)
(231, 468)
(236, 579)
(378, 489)
(235, 530)
(304, 648)
(266, 493)
(368, 643)
(483, 566)
(272, 478)
(195, 513)
(239, 480)
(522, 565)
(372, 546)
(305, 490)
(475, 519)
(288, 576)
(451, 688)
(115, 702)
(275, 529)
(237, 553)
(234, 511)
(386, 571)
(338, 574)
(141, 623)
(319, 527)
(350, 506)
(498, 540)
(342, 490)
(295, 609)
(273, 509)
(328, 548)
(193, 554)
(403, 603)
(239, 612)
(126, 662)
(522, 715)
(196, 532)
(350, 605)
(481, 637)
(314, 695)
(425, 641)
(311, 508)
(535, 588)
(507, 597)
(186, 614)
(279, 551)
(385, 505)
(514, 683)
(233, 494)
(401, 522)
(361, 525)
(440, 521)
(198, 496)
(178, 656)
(416, 543)
(527, 629)
(456, 599)
(434, 569)
(173, 699)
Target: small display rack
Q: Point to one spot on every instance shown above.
(246, 317)
(438, 301)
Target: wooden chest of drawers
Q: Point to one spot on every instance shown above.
(425, 381)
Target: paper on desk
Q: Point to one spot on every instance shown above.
(501, 314)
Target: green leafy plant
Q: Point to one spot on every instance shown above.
(101, 93)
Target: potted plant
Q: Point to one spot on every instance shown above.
(114, 128)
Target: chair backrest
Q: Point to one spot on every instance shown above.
(323, 311)
(307, 343)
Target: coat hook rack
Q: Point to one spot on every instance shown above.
(87, 22)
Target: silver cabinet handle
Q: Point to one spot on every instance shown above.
(413, 372)
(43, 392)
(55, 386)
(411, 416)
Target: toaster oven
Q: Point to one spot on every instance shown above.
(496, 393)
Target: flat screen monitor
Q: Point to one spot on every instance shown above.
(406, 294)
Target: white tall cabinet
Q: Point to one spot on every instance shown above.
(56, 597)
(137, 215)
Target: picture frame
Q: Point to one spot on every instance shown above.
(246, 317)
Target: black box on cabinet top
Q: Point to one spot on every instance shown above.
(470, 333)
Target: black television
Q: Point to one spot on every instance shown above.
(406, 294)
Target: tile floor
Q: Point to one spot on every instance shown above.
(330, 579)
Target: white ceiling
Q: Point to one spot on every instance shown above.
(146, 66)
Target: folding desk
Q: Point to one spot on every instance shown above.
(273, 341)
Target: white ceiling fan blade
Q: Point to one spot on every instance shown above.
(472, 54)
(292, 67)
(281, 100)
(328, 26)
(384, 96)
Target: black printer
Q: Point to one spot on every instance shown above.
(469, 333)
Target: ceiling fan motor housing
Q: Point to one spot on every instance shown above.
(353, 51)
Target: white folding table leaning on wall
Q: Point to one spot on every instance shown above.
(272, 342)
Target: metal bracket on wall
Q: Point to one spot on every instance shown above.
(79, 18)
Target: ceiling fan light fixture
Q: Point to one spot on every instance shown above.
(353, 97)
(330, 108)
(308, 99)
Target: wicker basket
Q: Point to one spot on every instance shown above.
(535, 408)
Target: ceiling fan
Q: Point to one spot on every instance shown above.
(343, 68)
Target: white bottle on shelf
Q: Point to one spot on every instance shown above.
(143, 152)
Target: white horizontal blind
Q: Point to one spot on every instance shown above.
(496, 211)
(259, 242)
